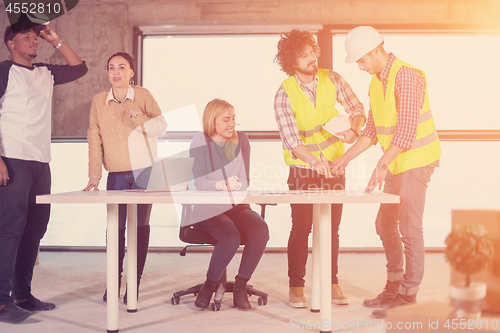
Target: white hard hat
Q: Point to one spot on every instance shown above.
(337, 124)
(360, 41)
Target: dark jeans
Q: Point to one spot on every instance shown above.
(239, 225)
(124, 180)
(22, 225)
(302, 218)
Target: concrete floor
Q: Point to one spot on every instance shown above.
(75, 281)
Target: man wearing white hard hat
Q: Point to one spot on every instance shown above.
(303, 104)
(400, 119)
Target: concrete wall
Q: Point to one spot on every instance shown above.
(95, 29)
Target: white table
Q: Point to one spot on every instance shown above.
(321, 252)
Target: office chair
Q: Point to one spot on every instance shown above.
(190, 235)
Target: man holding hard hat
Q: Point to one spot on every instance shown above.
(303, 104)
(400, 119)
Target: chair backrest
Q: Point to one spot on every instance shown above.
(191, 235)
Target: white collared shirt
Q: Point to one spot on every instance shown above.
(130, 95)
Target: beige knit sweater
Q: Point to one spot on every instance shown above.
(116, 140)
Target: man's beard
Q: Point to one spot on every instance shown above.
(308, 70)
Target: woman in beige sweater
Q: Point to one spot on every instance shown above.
(120, 121)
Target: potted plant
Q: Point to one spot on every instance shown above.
(469, 247)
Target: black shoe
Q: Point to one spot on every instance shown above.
(142, 252)
(125, 296)
(240, 296)
(400, 300)
(121, 256)
(34, 304)
(205, 294)
(13, 314)
(105, 296)
(389, 293)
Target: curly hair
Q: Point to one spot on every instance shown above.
(290, 46)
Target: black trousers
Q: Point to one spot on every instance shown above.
(22, 225)
(302, 218)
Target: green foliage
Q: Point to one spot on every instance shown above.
(468, 249)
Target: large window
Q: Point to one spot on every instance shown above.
(192, 70)
(186, 70)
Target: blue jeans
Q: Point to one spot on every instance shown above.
(22, 225)
(239, 225)
(124, 180)
(402, 224)
(302, 219)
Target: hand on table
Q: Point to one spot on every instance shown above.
(93, 183)
(377, 178)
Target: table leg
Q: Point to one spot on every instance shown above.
(112, 267)
(132, 258)
(316, 263)
(325, 243)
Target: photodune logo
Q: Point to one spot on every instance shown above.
(24, 15)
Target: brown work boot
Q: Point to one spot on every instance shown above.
(296, 297)
(400, 300)
(338, 296)
(389, 293)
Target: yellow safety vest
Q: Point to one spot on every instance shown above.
(310, 119)
(426, 148)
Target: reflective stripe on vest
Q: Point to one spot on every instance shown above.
(310, 119)
(425, 148)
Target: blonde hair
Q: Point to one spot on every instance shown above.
(215, 109)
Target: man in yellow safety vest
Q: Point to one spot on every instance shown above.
(303, 104)
(400, 119)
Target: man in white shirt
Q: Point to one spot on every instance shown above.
(25, 133)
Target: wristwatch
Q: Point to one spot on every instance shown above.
(382, 166)
(58, 44)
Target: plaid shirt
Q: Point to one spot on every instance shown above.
(410, 96)
(285, 117)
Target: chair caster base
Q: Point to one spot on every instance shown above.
(216, 306)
